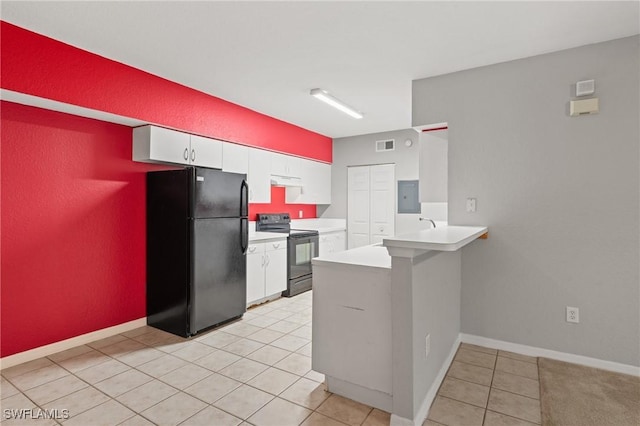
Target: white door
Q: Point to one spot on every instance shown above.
(370, 204)
(358, 206)
(383, 196)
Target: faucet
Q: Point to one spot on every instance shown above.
(426, 218)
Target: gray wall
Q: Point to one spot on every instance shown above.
(560, 195)
(359, 151)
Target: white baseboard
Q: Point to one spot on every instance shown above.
(400, 421)
(547, 353)
(39, 352)
(423, 411)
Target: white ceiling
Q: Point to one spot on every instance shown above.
(268, 55)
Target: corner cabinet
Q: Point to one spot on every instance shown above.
(152, 144)
(266, 270)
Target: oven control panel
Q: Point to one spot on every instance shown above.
(274, 218)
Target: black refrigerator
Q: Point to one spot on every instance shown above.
(197, 238)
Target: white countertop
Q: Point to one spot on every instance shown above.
(446, 238)
(261, 237)
(322, 225)
(373, 256)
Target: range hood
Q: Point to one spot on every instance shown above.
(287, 181)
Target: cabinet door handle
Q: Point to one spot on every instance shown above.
(186, 154)
(262, 260)
(268, 260)
(193, 155)
(276, 245)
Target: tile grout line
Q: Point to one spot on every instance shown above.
(513, 417)
(218, 372)
(493, 374)
(190, 362)
(491, 387)
(214, 372)
(487, 368)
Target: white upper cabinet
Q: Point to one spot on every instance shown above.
(152, 144)
(316, 184)
(159, 145)
(259, 176)
(285, 165)
(320, 183)
(205, 152)
(235, 158)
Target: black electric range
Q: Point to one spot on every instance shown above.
(302, 246)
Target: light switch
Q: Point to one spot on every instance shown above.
(471, 205)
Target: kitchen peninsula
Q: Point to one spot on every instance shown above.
(386, 319)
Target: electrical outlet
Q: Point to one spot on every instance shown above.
(427, 345)
(573, 314)
(471, 205)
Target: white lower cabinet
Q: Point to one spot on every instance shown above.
(332, 242)
(266, 269)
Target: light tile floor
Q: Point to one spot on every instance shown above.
(488, 387)
(254, 371)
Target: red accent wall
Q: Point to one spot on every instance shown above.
(73, 216)
(278, 205)
(73, 227)
(44, 67)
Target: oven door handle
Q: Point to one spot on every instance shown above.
(303, 240)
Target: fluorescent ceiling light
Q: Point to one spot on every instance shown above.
(324, 96)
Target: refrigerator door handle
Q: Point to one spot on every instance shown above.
(244, 198)
(244, 234)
